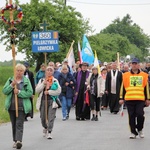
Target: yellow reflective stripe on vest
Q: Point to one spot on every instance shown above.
(134, 88)
(135, 93)
(134, 97)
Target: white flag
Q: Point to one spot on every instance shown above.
(70, 57)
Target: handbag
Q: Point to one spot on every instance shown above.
(54, 104)
(58, 103)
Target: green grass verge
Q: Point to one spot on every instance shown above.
(4, 117)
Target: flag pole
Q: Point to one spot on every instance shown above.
(118, 61)
(70, 49)
(118, 64)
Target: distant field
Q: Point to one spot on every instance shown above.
(5, 73)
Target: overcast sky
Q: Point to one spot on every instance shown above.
(101, 13)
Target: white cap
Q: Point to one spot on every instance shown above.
(103, 67)
(65, 60)
(105, 63)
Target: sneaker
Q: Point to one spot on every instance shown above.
(67, 117)
(77, 118)
(14, 145)
(141, 134)
(44, 132)
(64, 119)
(18, 145)
(96, 118)
(132, 136)
(25, 119)
(93, 118)
(49, 136)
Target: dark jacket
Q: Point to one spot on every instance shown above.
(31, 78)
(118, 82)
(67, 91)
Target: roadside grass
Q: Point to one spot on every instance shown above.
(4, 117)
(5, 73)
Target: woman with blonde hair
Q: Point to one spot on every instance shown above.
(67, 83)
(20, 86)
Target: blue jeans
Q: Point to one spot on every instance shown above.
(66, 106)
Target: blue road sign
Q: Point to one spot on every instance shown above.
(46, 41)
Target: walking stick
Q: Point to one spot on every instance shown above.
(16, 98)
(11, 8)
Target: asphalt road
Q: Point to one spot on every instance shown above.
(111, 132)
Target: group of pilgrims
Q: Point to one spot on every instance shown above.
(81, 87)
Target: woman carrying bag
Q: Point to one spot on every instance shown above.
(48, 89)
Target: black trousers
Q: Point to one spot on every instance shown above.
(82, 110)
(114, 102)
(105, 100)
(94, 102)
(17, 124)
(136, 115)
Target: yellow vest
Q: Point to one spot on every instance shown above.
(134, 85)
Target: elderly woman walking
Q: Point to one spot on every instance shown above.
(20, 86)
(67, 83)
(96, 85)
(48, 89)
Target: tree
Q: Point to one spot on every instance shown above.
(69, 23)
(107, 46)
(132, 31)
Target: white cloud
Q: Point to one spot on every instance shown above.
(102, 15)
